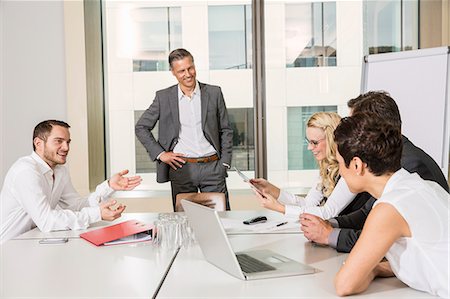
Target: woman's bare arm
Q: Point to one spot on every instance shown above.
(383, 226)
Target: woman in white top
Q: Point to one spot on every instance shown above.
(330, 195)
(409, 223)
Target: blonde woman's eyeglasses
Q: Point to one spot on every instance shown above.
(314, 143)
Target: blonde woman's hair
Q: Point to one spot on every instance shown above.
(329, 167)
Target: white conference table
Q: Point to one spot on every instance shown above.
(151, 217)
(191, 276)
(78, 269)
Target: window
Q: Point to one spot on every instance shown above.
(158, 31)
(300, 41)
(229, 29)
(311, 34)
(391, 26)
(241, 120)
(299, 157)
(143, 162)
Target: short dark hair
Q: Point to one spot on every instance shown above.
(179, 54)
(378, 103)
(44, 128)
(375, 141)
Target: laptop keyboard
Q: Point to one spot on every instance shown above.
(252, 265)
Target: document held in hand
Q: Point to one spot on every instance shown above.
(130, 231)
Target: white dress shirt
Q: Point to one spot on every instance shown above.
(191, 141)
(31, 197)
(422, 260)
(339, 199)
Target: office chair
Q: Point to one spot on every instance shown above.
(214, 200)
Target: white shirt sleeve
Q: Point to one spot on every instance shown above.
(36, 204)
(340, 198)
(70, 199)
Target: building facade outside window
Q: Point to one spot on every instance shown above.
(305, 72)
(157, 32)
(311, 34)
(230, 37)
(391, 26)
(241, 120)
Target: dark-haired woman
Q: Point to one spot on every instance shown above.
(409, 223)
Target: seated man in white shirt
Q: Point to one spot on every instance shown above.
(37, 190)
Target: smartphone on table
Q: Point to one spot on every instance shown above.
(53, 240)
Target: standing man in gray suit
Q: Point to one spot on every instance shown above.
(193, 150)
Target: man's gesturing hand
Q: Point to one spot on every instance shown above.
(119, 182)
(108, 212)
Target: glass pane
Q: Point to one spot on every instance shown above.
(241, 120)
(306, 79)
(174, 28)
(139, 36)
(310, 30)
(227, 37)
(382, 26)
(410, 25)
(329, 33)
(248, 35)
(158, 31)
(143, 162)
(299, 36)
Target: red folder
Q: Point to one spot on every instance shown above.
(117, 231)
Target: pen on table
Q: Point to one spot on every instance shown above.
(280, 224)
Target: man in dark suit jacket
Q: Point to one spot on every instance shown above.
(343, 231)
(194, 145)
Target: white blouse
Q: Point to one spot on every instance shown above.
(339, 199)
(421, 261)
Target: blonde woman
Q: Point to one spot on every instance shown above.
(327, 198)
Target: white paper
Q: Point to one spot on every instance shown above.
(236, 225)
(140, 237)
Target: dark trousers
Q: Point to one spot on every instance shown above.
(195, 177)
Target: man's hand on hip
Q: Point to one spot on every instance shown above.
(315, 228)
(172, 159)
(108, 212)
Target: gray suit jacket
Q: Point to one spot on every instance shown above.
(164, 109)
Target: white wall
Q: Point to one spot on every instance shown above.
(32, 80)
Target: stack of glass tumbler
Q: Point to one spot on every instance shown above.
(173, 231)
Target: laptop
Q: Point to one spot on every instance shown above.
(248, 265)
